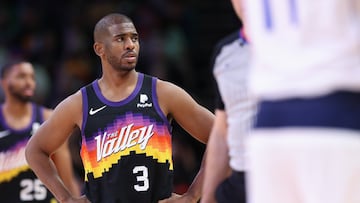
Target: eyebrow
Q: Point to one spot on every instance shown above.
(127, 33)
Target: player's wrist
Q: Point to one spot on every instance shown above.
(65, 197)
(191, 197)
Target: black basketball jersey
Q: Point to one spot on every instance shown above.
(18, 183)
(126, 146)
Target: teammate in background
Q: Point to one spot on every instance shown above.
(224, 180)
(306, 74)
(125, 120)
(19, 119)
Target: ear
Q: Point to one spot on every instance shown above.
(98, 48)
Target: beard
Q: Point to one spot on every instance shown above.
(116, 63)
(18, 95)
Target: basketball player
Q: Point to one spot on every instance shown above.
(224, 180)
(19, 119)
(125, 120)
(306, 75)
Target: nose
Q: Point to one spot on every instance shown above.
(129, 44)
(30, 81)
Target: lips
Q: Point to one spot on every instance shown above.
(28, 91)
(130, 57)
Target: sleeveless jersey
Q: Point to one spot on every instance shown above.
(126, 146)
(303, 48)
(17, 181)
(231, 68)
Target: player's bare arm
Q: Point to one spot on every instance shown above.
(218, 167)
(179, 105)
(195, 119)
(66, 116)
(63, 162)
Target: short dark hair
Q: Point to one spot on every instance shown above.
(7, 66)
(108, 20)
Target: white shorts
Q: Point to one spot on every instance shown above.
(303, 165)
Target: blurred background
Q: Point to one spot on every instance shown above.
(177, 38)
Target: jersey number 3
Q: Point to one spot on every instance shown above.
(142, 178)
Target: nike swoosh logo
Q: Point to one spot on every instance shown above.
(92, 111)
(4, 133)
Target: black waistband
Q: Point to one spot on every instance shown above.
(238, 173)
(339, 110)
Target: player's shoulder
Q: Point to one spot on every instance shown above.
(165, 87)
(169, 91)
(75, 97)
(73, 101)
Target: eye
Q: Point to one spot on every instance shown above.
(135, 39)
(21, 76)
(120, 39)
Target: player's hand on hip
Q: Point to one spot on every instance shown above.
(175, 198)
(82, 199)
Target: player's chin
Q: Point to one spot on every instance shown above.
(130, 66)
(25, 98)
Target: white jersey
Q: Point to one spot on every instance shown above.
(301, 36)
(231, 69)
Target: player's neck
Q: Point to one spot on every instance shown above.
(117, 88)
(118, 80)
(16, 115)
(17, 108)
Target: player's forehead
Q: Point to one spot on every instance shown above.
(23, 67)
(122, 28)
